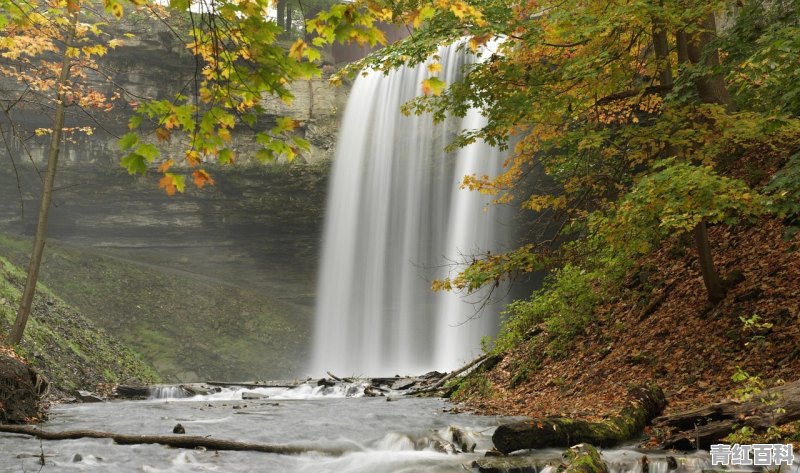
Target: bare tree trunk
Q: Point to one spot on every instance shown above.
(281, 12)
(288, 24)
(47, 191)
(714, 286)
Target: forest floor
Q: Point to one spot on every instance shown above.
(689, 347)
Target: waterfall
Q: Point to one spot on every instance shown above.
(396, 220)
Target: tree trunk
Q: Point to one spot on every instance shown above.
(710, 424)
(281, 13)
(288, 24)
(175, 441)
(47, 191)
(711, 87)
(661, 47)
(714, 286)
(646, 403)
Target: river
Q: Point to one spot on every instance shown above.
(380, 436)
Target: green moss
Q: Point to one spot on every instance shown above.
(584, 458)
(70, 350)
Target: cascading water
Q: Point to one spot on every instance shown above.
(396, 220)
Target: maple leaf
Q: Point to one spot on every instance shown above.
(166, 165)
(192, 157)
(432, 85)
(201, 178)
(297, 49)
(163, 134)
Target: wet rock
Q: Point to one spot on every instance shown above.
(443, 446)
(195, 389)
(513, 464)
(132, 391)
(86, 396)
(432, 375)
(462, 439)
(672, 463)
(252, 395)
(178, 429)
(403, 384)
(328, 383)
(494, 453)
(584, 458)
(77, 458)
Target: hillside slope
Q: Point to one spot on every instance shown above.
(660, 327)
(72, 352)
(189, 327)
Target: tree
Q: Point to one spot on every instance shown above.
(598, 92)
(236, 49)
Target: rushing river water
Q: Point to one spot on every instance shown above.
(379, 436)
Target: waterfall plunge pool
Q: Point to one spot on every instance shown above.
(379, 436)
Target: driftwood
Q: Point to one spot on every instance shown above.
(442, 381)
(646, 403)
(707, 425)
(176, 441)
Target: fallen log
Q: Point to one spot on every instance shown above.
(175, 441)
(476, 363)
(646, 403)
(700, 428)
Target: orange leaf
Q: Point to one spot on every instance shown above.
(163, 134)
(166, 165)
(168, 184)
(193, 158)
(202, 178)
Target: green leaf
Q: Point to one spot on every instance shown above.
(265, 156)
(134, 163)
(129, 140)
(148, 150)
(225, 156)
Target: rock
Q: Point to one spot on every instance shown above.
(77, 458)
(443, 446)
(403, 384)
(432, 375)
(494, 453)
(131, 391)
(584, 458)
(462, 439)
(372, 391)
(252, 395)
(86, 396)
(195, 389)
(178, 429)
(672, 463)
(513, 464)
(326, 382)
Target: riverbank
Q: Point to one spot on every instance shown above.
(660, 327)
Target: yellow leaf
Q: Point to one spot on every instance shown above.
(297, 49)
(432, 85)
(434, 67)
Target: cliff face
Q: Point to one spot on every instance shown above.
(244, 251)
